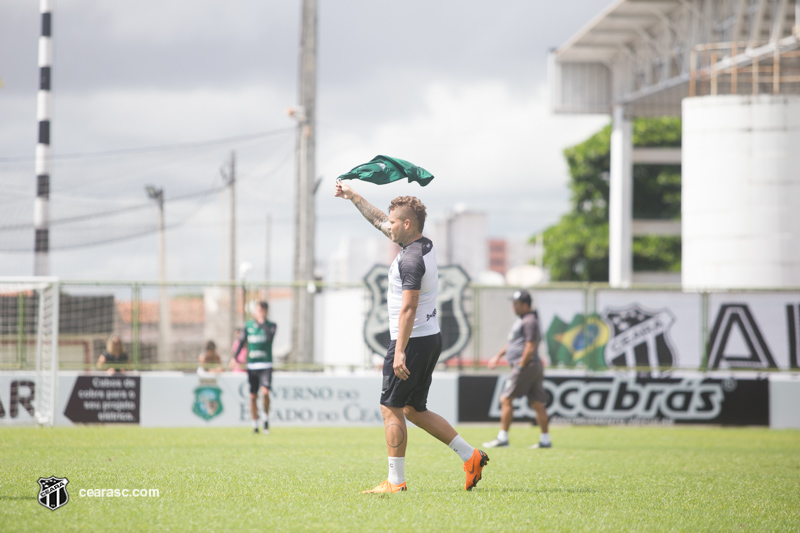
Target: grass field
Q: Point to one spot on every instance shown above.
(593, 479)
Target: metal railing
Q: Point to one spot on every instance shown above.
(745, 68)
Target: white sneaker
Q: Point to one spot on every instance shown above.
(541, 445)
(496, 443)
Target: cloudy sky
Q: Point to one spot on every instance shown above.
(160, 92)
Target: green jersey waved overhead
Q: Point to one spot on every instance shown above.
(383, 169)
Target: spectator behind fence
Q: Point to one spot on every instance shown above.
(113, 359)
(210, 361)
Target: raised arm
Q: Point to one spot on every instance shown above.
(241, 342)
(375, 216)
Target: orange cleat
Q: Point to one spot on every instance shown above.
(474, 467)
(386, 487)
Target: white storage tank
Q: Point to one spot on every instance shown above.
(741, 191)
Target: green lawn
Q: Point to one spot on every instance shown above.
(594, 478)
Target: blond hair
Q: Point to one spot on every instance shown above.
(412, 204)
(114, 348)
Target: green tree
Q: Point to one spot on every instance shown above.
(576, 249)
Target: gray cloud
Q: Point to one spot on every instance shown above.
(457, 85)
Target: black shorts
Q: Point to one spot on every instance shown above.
(422, 354)
(261, 377)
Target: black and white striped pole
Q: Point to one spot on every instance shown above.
(41, 205)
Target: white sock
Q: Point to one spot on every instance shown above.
(397, 470)
(502, 435)
(545, 438)
(255, 423)
(461, 447)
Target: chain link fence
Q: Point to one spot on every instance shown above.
(588, 327)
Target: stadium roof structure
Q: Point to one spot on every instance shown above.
(643, 57)
(647, 54)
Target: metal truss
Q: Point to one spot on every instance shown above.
(644, 53)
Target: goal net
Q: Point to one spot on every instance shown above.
(29, 337)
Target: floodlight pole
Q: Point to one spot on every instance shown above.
(229, 178)
(163, 299)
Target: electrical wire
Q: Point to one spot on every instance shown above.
(153, 149)
(251, 141)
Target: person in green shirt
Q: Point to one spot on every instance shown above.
(258, 335)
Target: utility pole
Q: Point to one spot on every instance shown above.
(164, 335)
(305, 114)
(41, 205)
(229, 178)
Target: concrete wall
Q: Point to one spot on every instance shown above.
(741, 191)
(175, 399)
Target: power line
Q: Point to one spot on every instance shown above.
(153, 149)
(114, 212)
(110, 240)
(202, 197)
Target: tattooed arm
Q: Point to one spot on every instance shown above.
(375, 216)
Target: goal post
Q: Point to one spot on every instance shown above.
(17, 296)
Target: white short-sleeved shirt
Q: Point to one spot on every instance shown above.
(414, 268)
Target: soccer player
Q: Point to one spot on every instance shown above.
(527, 374)
(416, 341)
(258, 335)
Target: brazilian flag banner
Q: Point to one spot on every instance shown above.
(383, 169)
(582, 342)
